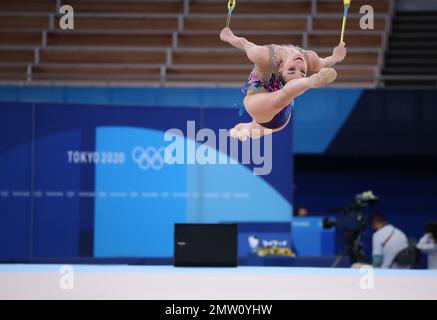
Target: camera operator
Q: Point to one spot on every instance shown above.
(387, 242)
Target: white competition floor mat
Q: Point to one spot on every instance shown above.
(170, 283)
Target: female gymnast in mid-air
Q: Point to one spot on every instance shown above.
(279, 76)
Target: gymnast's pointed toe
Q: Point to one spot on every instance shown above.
(327, 75)
(234, 133)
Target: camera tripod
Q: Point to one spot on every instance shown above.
(354, 249)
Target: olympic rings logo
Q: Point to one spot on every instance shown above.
(150, 158)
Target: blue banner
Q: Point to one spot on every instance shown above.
(87, 180)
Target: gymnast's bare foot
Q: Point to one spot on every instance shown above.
(244, 131)
(324, 77)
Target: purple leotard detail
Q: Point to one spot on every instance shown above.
(271, 85)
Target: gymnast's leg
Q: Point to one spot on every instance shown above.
(264, 106)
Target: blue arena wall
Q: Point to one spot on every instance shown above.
(350, 128)
(326, 121)
(73, 185)
(319, 113)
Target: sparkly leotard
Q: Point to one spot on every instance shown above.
(271, 83)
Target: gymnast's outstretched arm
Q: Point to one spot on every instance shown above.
(259, 55)
(316, 63)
